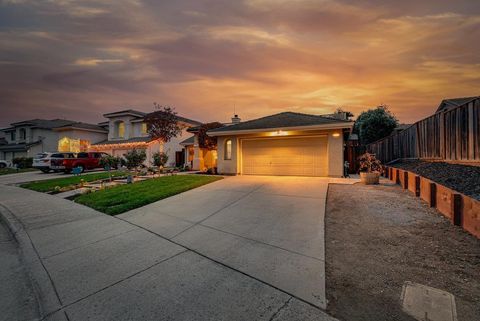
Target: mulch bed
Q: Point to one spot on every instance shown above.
(464, 179)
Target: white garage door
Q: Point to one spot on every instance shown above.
(302, 156)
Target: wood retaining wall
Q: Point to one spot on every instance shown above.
(460, 209)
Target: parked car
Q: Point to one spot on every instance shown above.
(4, 164)
(42, 162)
(56, 162)
(84, 161)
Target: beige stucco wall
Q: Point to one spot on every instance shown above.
(228, 166)
(335, 154)
(233, 166)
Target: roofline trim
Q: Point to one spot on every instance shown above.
(300, 128)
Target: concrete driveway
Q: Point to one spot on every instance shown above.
(243, 248)
(270, 228)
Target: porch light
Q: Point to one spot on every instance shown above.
(279, 133)
(336, 134)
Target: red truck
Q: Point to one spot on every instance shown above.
(83, 161)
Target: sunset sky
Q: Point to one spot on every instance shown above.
(80, 59)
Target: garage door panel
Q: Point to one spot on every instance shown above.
(288, 156)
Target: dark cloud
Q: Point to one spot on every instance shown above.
(83, 58)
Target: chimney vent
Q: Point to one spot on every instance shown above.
(236, 119)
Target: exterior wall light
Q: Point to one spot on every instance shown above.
(336, 134)
(279, 133)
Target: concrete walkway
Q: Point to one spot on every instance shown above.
(244, 248)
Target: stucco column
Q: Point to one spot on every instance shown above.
(335, 153)
(198, 162)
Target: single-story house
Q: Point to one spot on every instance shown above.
(287, 143)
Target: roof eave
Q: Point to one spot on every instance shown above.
(342, 125)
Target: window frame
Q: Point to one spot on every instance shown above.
(228, 148)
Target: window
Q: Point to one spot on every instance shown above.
(82, 155)
(12, 136)
(23, 134)
(120, 129)
(228, 149)
(144, 128)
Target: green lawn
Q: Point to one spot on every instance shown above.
(123, 198)
(6, 171)
(50, 185)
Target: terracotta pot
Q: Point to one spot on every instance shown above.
(369, 178)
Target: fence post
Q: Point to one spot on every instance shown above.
(471, 134)
(443, 147)
(457, 211)
(433, 195)
(417, 185)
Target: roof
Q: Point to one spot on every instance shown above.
(132, 112)
(17, 147)
(188, 141)
(83, 126)
(56, 124)
(125, 141)
(142, 114)
(450, 103)
(44, 123)
(282, 120)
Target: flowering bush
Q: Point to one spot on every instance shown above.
(369, 163)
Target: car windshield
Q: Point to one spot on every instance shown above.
(41, 155)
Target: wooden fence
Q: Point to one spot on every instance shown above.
(452, 135)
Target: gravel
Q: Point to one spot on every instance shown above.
(378, 237)
(464, 179)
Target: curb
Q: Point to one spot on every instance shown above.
(45, 293)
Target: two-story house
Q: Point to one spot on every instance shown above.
(30, 137)
(127, 130)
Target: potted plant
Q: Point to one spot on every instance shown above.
(370, 169)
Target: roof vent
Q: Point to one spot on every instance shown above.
(236, 119)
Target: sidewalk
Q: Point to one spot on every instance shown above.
(90, 266)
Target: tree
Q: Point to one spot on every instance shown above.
(375, 124)
(163, 123)
(205, 141)
(135, 158)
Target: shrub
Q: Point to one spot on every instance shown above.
(212, 171)
(135, 158)
(159, 159)
(23, 162)
(111, 161)
(369, 163)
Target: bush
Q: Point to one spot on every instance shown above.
(160, 159)
(111, 161)
(135, 158)
(212, 171)
(23, 162)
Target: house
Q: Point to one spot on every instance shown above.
(287, 143)
(127, 130)
(30, 137)
(450, 103)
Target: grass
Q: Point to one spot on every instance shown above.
(51, 185)
(123, 198)
(6, 171)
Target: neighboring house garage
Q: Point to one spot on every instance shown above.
(283, 144)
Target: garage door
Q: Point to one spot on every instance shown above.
(302, 156)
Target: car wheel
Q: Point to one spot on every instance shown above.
(45, 170)
(82, 169)
(3, 165)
